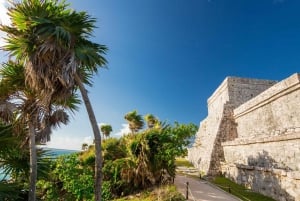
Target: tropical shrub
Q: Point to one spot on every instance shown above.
(68, 180)
(149, 158)
(132, 163)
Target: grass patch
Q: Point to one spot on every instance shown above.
(183, 162)
(239, 190)
(164, 193)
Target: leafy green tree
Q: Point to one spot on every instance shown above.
(181, 136)
(135, 121)
(106, 130)
(74, 181)
(53, 42)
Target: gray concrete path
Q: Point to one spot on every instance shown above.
(200, 190)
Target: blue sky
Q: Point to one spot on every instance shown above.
(166, 57)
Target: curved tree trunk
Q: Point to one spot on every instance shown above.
(97, 136)
(33, 163)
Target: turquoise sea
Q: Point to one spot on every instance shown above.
(59, 152)
(53, 152)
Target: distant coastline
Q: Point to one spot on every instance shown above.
(58, 152)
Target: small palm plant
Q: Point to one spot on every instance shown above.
(151, 120)
(106, 129)
(135, 121)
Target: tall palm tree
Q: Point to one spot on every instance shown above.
(135, 121)
(31, 113)
(106, 129)
(53, 41)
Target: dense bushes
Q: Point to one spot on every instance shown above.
(68, 180)
(131, 163)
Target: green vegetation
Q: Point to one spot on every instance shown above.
(106, 129)
(134, 120)
(239, 190)
(164, 193)
(139, 165)
(135, 163)
(183, 162)
(67, 180)
(52, 57)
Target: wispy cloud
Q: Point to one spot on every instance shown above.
(123, 131)
(101, 124)
(68, 142)
(75, 142)
(4, 19)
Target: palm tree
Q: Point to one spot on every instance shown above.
(84, 146)
(14, 160)
(135, 121)
(53, 42)
(11, 161)
(30, 113)
(151, 120)
(106, 129)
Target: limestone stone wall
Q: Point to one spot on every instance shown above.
(281, 152)
(219, 126)
(282, 185)
(252, 135)
(270, 166)
(236, 91)
(276, 111)
(266, 154)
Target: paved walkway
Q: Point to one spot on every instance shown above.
(200, 190)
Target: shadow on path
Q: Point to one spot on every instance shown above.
(201, 190)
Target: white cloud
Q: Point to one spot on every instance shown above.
(4, 18)
(123, 131)
(68, 142)
(88, 140)
(60, 141)
(101, 124)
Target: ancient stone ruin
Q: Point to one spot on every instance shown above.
(252, 136)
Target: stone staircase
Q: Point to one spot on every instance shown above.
(188, 171)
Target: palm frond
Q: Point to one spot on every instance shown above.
(7, 110)
(53, 42)
(71, 103)
(9, 191)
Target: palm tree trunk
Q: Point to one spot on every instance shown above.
(33, 163)
(97, 136)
